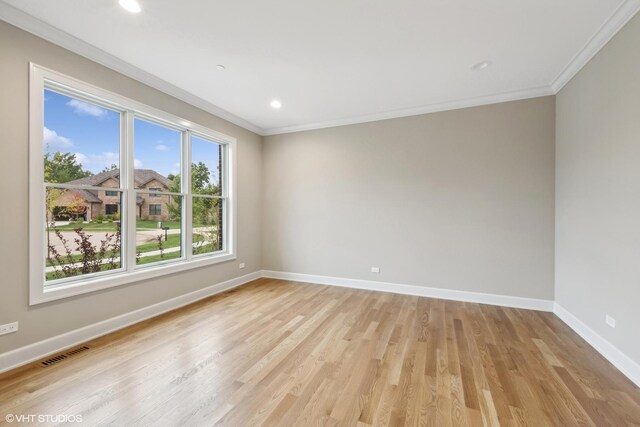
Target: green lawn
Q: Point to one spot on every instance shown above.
(156, 258)
(145, 224)
(76, 258)
(53, 275)
(145, 260)
(173, 240)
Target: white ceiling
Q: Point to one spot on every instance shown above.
(341, 61)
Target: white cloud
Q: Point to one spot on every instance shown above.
(53, 141)
(161, 147)
(82, 108)
(82, 159)
(97, 162)
(176, 169)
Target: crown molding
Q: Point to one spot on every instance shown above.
(48, 32)
(424, 109)
(610, 28)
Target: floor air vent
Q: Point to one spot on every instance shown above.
(60, 357)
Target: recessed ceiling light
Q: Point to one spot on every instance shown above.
(276, 104)
(130, 5)
(221, 67)
(185, 123)
(481, 65)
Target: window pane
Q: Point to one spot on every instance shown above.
(158, 228)
(208, 225)
(157, 157)
(206, 167)
(81, 142)
(81, 239)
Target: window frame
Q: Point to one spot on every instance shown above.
(155, 192)
(41, 78)
(154, 206)
(106, 210)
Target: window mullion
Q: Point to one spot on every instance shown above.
(128, 182)
(186, 189)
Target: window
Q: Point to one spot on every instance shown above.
(83, 139)
(208, 203)
(158, 148)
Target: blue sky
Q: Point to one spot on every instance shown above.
(92, 133)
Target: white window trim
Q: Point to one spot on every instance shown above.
(38, 293)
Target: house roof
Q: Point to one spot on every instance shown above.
(88, 196)
(140, 177)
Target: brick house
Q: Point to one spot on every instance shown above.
(94, 203)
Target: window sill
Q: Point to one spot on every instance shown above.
(80, 287)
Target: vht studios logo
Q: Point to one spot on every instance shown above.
(42, 418)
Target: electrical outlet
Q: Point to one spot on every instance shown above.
(241, 265)
(9, 328)
(610, 321)
(375, 269)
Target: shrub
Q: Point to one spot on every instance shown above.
(93, 258)
(80, 220)
(99, 221)
(116, 216)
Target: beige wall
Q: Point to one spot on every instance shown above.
(17, 48)
(458, 200)
(598, 192)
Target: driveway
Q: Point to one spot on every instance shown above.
(95, 237)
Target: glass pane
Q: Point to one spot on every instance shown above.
(208, 225)
(157, 157)
(158, 228)
(81, 142)
(206, 167)
(81, 237)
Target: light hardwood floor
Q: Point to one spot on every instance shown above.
(280, 353)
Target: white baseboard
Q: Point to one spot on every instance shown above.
(477, 297)
(33, 352)
(30, 353)
(610, 352)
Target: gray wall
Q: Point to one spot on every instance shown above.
(598, 192)
(17, 48)
(458, 200)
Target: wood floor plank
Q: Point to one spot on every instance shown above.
(278, 353)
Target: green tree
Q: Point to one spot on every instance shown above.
(63, 167)
(113, 167)
(201, 184)
(200, 178)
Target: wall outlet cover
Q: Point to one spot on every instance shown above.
(9, 328)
